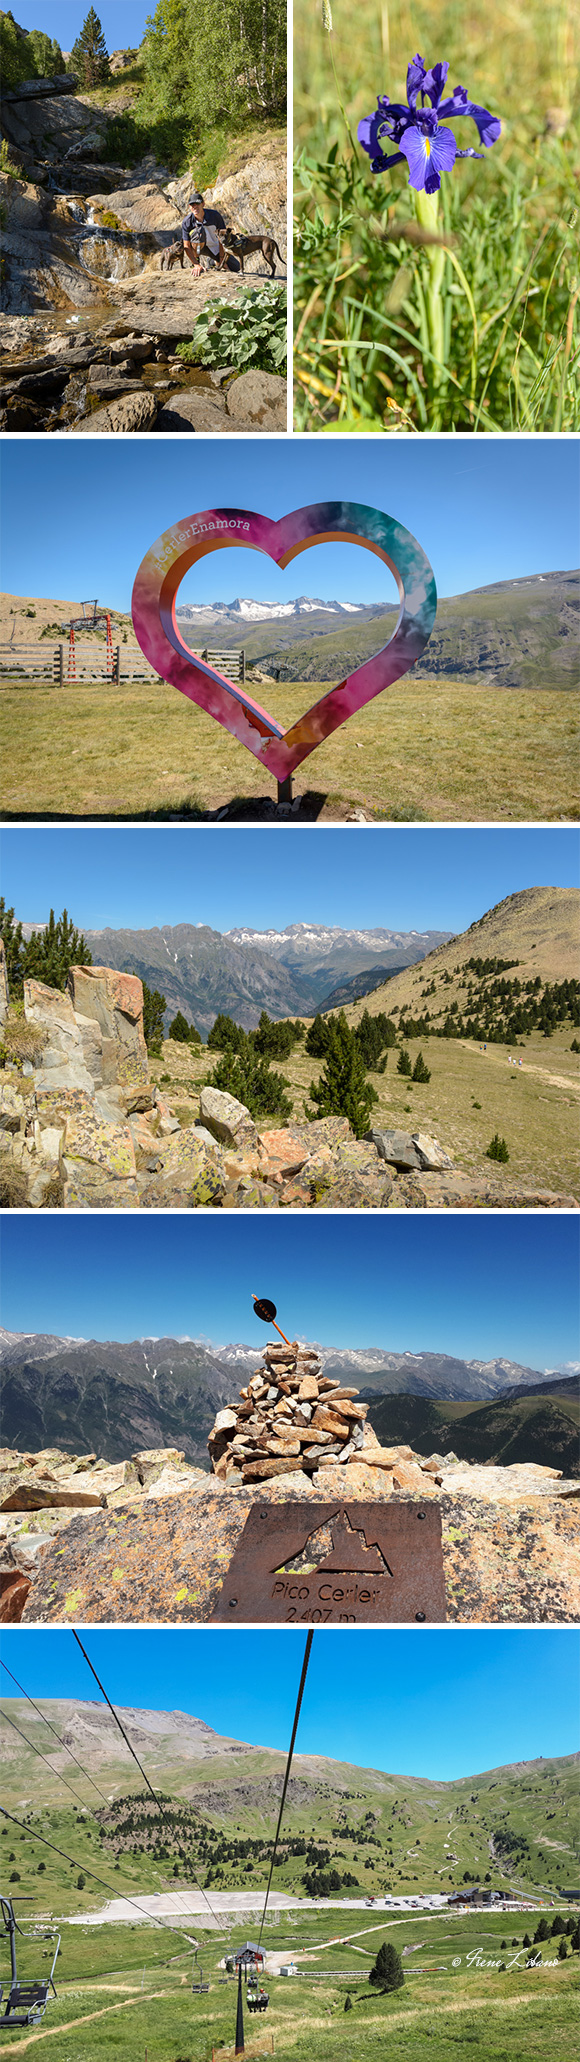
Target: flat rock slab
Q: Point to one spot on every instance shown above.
(517, 1563)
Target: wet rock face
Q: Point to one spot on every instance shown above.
(290, 1415)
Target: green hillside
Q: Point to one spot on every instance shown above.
(514, 1826)
(526, 1428)
(514, 634)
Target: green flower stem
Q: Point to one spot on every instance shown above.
(426, 209)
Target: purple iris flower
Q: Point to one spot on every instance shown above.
(416, 129)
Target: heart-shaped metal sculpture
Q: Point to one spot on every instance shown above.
(327, 522)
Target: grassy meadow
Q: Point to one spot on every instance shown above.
(120, 1995)
(423, 751)
(365, 350)
(470, 1096)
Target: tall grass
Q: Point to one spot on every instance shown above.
(509, 224)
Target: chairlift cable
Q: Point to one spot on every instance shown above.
(84, 1868)
(42, 1757)
(152, 1792)
(57, 1772)
(52, 1729)
(307, 1653)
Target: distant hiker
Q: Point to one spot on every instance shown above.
(200, 230)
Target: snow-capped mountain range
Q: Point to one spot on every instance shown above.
(247, 611)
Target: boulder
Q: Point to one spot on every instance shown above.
(516, 1564)
(349, 1178)
(51, 1013)
(257, 401)
(191, 1173)
(396, 1147)
(195, 408)
(135, 412)
(151, 1463)
(251, 189)
(13, 1108)
(144, 209)
(227, 1119)
(431, 1154)
(115, 1002)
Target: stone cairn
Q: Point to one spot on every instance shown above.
(291, 1416)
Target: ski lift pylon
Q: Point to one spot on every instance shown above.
(26, 2003)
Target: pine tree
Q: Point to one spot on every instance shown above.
(563, 1949)
(420, 1071)
(89, 55)
(154, 1007)
(387, 1972)
(49, 954)
(343, 1089)
(13, 942)
(182, 1032)
(404, 1064)
(497, 1149)
(318, 1038)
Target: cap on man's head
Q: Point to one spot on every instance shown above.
(195, 199)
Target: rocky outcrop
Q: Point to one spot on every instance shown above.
(251, 190)
(82, 1126)
(160, 1545)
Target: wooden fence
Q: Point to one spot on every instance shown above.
(51, 662)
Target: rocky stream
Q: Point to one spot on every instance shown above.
(91, 322)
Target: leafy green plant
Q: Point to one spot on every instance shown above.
(248, 1078)
(12, 171)
(463, 321)
(497, 1149)
(247, 333)
(343, 1089)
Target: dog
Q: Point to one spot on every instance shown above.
(175, 255)
(242, 246)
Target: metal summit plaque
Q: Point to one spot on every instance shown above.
(336, 1564)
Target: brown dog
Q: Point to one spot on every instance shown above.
(242, 246)
(173, 255)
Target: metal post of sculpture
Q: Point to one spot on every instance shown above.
(154, 619)
(240, 2044)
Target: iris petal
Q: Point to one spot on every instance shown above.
(428, 157)
(434, 81)
(415, 77)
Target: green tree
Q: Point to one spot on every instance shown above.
(526, 1942)
(497, 1149)
(13, 942)
(404, 1065)
(182, 1032)
(563, 1949)
(17, 60)
(420, 1071)
(275, 1041)
(248, 1078)
(81, 1880)
(348, 2004)
(240, 58)
(387, 1972)
(542, 1931)
(48, 57)
(89, 55)
(154, 1007)
(558, 1924)
(343, 1089)
(49, 954)
(318, 1037)
(224, 1033)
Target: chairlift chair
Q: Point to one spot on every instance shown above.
(26, 2003)
(257, 1999)
(197, 1988)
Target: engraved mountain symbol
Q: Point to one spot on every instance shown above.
(344, 1550)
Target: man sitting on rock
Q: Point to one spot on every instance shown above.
(200, 231)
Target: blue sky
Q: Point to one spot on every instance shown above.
(480, 1288)
(122, 21)
(411, 880)
(484, 509)
(437, 1704)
